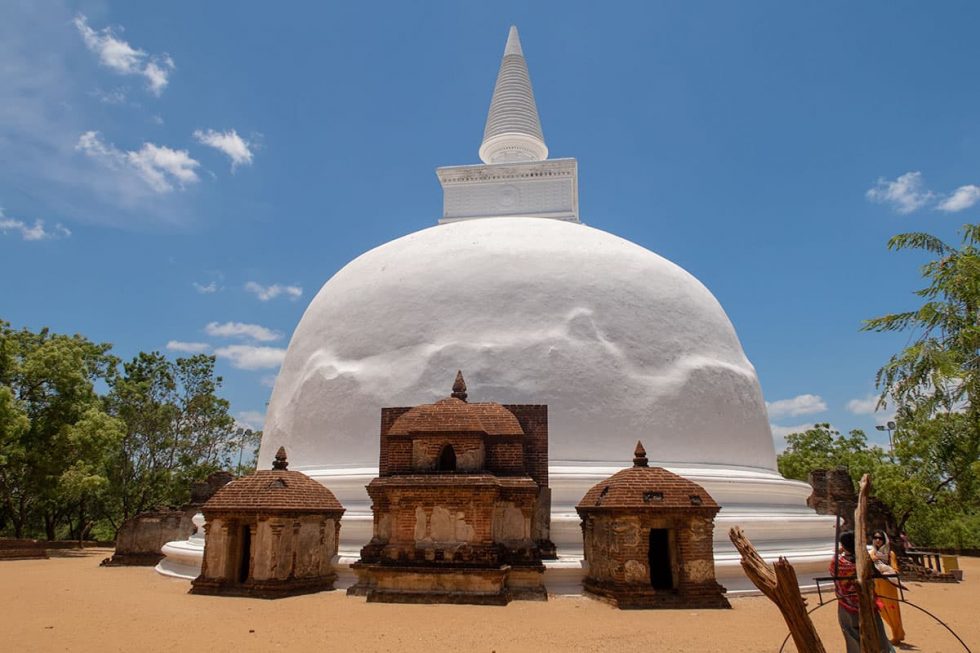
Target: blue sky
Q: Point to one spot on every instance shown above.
(191, 173)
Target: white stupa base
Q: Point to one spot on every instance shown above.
(183, 557)
(769, 508)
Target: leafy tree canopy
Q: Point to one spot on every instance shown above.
(821, 447)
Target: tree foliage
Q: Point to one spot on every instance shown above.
(55, 433)
(934, 384)
(72, 458)
(176, 430)
(940, 370)
(931, 480)
(822, 447)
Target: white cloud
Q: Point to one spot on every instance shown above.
(250, 419)
(265, 293)
(121, 57)
(188, 347)
(229, 142)
(799, 405)
(906, 194)
(36, 231)
(115, 96)
(205, 288)
(962, 198)
(45, 104)
(250, 357)
(159, 166)
(864, 406)
(241, 330)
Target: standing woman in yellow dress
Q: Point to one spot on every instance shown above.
(885, 589)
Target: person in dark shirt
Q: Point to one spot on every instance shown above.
(846, 589)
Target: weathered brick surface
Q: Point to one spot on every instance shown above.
(455, 535)
(533, 418)
(269, 535)
(141, 537)
(451, 415)
(22, 549)
(618, 516)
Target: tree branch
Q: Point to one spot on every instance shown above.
(866, 597)
(780, 585)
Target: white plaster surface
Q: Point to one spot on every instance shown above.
(513, 129)
(540, 189)
(619, 342)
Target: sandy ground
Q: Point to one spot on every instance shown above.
(69, 603)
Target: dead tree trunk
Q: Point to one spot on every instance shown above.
(780, 585)
(866, 595)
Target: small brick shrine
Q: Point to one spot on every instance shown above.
(461, 504)
(648, 540)
(270, 535)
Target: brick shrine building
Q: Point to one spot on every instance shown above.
(648, 540)
(461, 504)
(270, 535)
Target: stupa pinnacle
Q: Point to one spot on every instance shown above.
(517, 179)
(513, 131)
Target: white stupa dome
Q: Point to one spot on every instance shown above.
(534, 307)
(619, 342)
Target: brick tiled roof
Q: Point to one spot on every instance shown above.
(274, 490)
(453, 415)
(644, 487)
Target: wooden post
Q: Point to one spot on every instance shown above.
(866, 596)
(780, 585)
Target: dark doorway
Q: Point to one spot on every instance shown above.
(447, 459)
(661, 575)
(246, 556)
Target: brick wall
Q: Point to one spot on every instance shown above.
(403, 455)
(505, 456)
(534, 420)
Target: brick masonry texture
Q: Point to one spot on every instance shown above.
(618, 517)
(460, 528)
(457, 416)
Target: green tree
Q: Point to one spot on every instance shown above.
(48, 404)
(940, 370)
(822, 447)
(176, 429)
(248, 450)
(91, 444)
(934, 385)
(925, 486)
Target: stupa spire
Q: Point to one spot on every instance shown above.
(516, 179)
(513, 130)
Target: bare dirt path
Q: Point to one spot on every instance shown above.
(69, 603)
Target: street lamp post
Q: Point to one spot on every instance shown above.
(888, 426)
